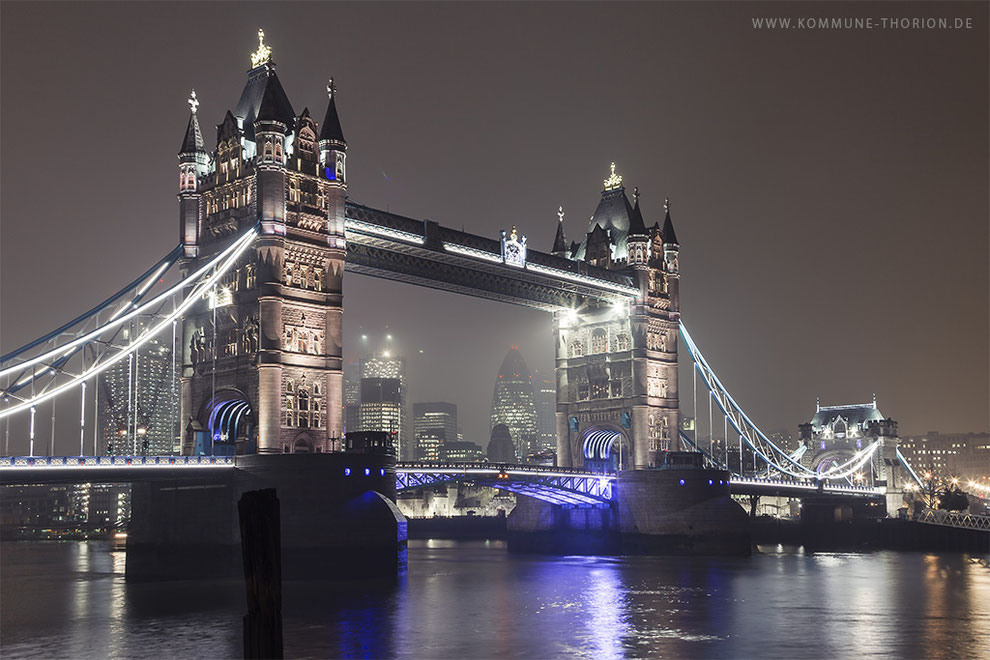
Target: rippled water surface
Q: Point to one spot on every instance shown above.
(474, 599)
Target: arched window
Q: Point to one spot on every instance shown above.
(577, 347)
(303, 421)
(622, 342)
(599, 341)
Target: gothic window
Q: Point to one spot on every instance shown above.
(309, 278)
(268, 151)
(653, 386)
(278, 151)
(290, 401)
(599, 390)
(577, 347)
(303, 408)
(599, 341)
(616, 388)
(250, 277)
(582, 391)
(318, 279)
(622, 342)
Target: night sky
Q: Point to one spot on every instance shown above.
(829, 188)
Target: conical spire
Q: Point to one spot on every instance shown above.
(331, 123)
(669, 237)
(560, 242)
(636, 226)
(193, 140)
(275, 105)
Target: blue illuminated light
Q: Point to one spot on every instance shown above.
(682, 482)
(367, 471)
(347, 472)
(331, 174)
(709, 482)
(383, 472)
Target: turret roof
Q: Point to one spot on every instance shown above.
(263, 89)
(668, 227)
(193, 140)
(330, 130)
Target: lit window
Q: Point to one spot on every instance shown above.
(599, 341)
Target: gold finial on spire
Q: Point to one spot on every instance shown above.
(514, 235)
(560, 213)
(331, 88)
(666, 204)
(193, 102)
(263, 54)
(614, 180)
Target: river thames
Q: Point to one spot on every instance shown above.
(475, 599)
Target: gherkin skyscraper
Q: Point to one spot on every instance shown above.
(514, 404)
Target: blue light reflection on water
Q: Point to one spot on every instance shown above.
(460, 600)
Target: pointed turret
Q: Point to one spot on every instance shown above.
(638, 238)
(333, 160)
(193, 140)
(275, 104)
(559, 241)
(331, 131)
(333, 148)
(193, 162)
(669, 237)
(636, 226)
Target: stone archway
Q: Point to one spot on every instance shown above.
(302, 444)
(607, 448)
(228, 419)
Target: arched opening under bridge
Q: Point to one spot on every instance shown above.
(606, 448)
(228, 422)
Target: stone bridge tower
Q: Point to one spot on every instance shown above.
(261, 359)
(617, 392)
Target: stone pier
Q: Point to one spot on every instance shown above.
(338, 519)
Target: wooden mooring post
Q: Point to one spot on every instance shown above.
(261, 547)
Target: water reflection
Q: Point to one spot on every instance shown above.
(460, 600)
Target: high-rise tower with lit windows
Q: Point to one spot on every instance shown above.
(514, 403)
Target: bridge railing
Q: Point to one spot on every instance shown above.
(495, 467)
(954, 519)
(76, 462)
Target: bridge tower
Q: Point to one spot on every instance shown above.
(617, 392)
(261, 358)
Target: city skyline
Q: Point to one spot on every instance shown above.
(761, 244)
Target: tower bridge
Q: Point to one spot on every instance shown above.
(255, 323)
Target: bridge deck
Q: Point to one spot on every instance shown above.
(387, 245)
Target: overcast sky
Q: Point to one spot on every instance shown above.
(829, 188)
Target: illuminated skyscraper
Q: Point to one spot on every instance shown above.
(137, 403)
(381, 405)
(513, 403)
(545, 391)
(434, 425)
(385, 366)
